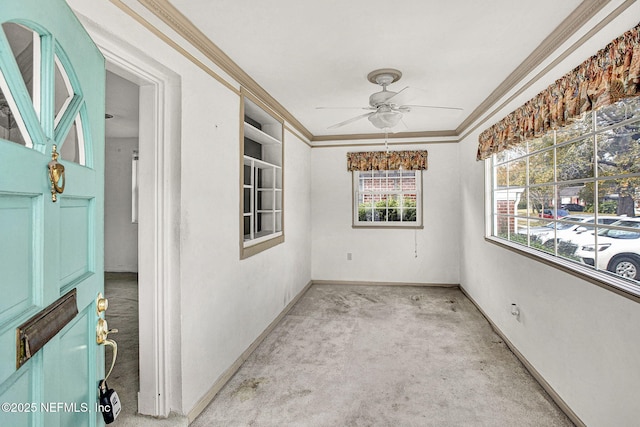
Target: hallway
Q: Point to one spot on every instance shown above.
(382, 356)
(121, 289)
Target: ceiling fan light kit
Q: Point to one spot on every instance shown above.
(388, 106)
(385, 118)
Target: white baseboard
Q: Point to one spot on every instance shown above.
(529, 367)
(366, 283)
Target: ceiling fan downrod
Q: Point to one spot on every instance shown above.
(386, 116)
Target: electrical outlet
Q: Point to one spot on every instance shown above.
(349, 256)
(515, 310)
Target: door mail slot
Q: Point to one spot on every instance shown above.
(33, 334)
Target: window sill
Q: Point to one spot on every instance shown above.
(604, 280)
(255, 246)
(387, 226)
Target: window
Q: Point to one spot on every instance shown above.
(261, 192)
(574, 194)
(18, 123)
(387, 198)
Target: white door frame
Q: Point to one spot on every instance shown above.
(159, 207)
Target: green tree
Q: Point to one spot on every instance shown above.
(618, 154)
(388, 210)
(618, 151)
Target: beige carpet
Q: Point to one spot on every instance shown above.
(382, 356)
(122, 291)
(357, 356)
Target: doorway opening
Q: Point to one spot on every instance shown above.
(121, 236)
(159, 116)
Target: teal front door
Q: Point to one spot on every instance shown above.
(52, 80)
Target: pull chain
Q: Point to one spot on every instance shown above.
(386, 137)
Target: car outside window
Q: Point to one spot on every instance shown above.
(573, 194)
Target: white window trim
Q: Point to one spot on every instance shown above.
(600, 278)
(356, 223)
(597, 277)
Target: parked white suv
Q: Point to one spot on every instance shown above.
(618, 249)
(569, 230)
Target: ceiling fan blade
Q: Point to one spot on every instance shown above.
(404, 96)
(430, 106)
(351, 120)
(345, 108)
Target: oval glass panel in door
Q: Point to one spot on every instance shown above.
(25, 46)
(72, 149)
(9, 117)
(69, 110)
(63, 91)
(24, 50)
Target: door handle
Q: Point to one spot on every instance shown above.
(108, 397)
(102, 331)
(109, 400)
(56, 175)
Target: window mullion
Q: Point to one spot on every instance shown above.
(273, 201)
(387, 186)
(528, 189)
(596, 188)
(556, 194)
(596, 155)
(45, 82)
(252, 201)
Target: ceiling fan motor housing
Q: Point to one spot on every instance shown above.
(380, 98)
(386, 107)
(383, 77)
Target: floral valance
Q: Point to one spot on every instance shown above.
(383, 160)
(607, 77)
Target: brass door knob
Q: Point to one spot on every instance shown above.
(101, 303)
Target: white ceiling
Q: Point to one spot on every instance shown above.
(309, 54)
(122, 103)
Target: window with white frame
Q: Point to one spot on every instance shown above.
(574, 194)
(387, 198)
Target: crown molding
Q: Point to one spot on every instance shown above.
(383, 143)
(396, 135)
(169, 41)
(583, 13)
(172, 17)
(463, 132)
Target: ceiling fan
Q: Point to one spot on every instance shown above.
(386, 107)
